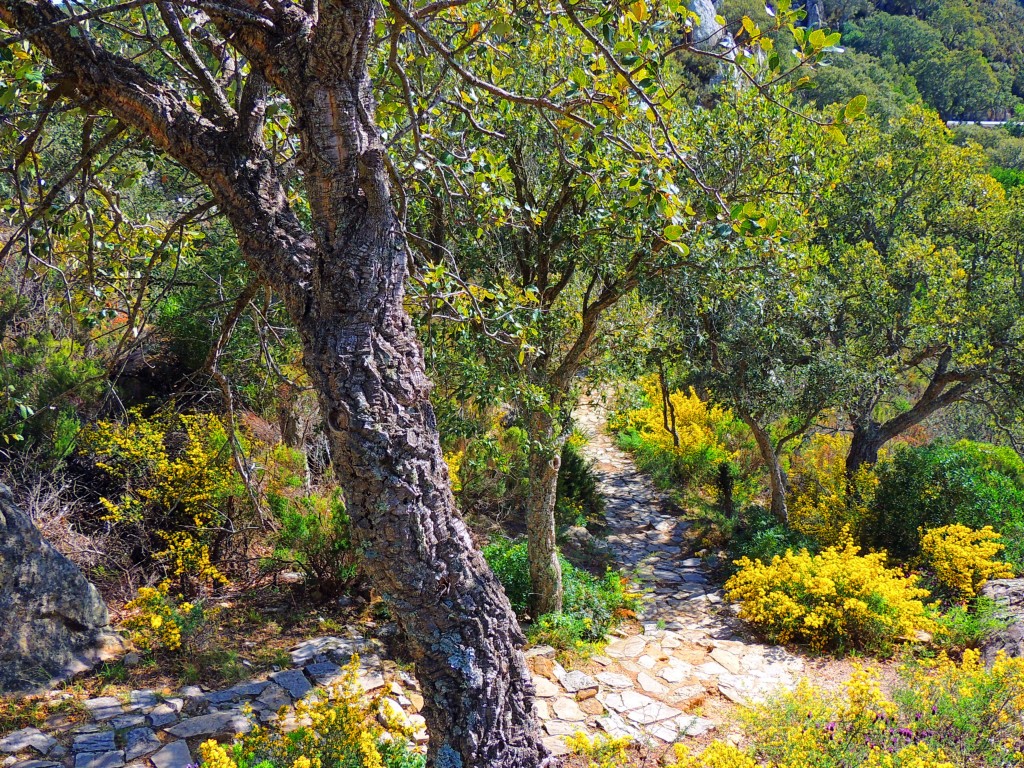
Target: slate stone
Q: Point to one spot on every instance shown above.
(123, 722)
(174, 755)
(324, 673)
(27, 738)
(104, 707)
(140, 742)
(293, 681)
(162, 715)
(274, 697)
(94, 742)
(206, 725)
(99, 759)
(36, 764)
(578, 682)
(142, 700)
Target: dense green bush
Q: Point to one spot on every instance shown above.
(939, 484)
(315, 537)
(591, 605)
(761, 537)
(579, 501)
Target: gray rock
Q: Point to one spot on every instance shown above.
(122, 722)
(213, 723)
(36, 764)
(104, 707)
(293, 681)
(53, 622)
(140, 742)
(94, 742)
(27, 738)
(1009, 597)
(324, 673)
(174, 755)
(274, 697)
(578, 682)
(142, 700)
(162, 715)
(99, 759)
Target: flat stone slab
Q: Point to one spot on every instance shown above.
(141, 742)
(27, 738)
(37, 764)
(293, 681)
(162, 715)
(208, 725)
(578, 682)
(545, 689)
(122, 722)
(568, 709)
(614, 680)
(174, 755)
(99, 759)
(142, 700)
(104, 707)
(324, 673)
(94, 742)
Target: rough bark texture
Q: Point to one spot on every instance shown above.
(343, 285)
(53, 622)
(1009, 596)
(545, 569)
(776, 477)
(944, 388)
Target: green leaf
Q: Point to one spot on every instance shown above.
(855, 108)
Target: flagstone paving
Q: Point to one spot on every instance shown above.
(689, 653)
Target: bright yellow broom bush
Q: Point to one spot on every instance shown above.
(339, 730)
(838, 599)
(963, 559)
(823, 501)
(938, 714)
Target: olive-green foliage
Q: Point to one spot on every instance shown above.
(579, 500)
(888, 90)
(967, 626)
(591, 605)
(974, 484)
(315, 536)
(43, 382)
(762, 537)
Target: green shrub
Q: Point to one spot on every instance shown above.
(590, 607)
(315, 537)
(579, 501)
(973, 484)
(967, 626)
(762, 537)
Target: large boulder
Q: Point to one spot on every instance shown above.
(1009, 596)
(53, 622)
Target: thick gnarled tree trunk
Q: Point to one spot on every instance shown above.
(343, 285)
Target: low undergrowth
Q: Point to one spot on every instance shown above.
(592, 605)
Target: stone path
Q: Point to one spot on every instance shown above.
(147, 730)
(690, 654)
(672, 679)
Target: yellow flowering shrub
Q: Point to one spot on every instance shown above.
(339, 730)
(178, 477)
(601, 751)
(157, 620)
(454, 462)
(823, 501)
(698, 423)
(838, 599)
(963, 559)
(939, 714)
